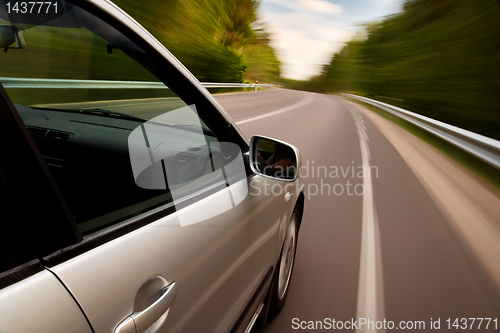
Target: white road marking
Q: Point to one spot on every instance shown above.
(308, 98)
(370, 303)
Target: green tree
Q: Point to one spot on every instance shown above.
(208, 36)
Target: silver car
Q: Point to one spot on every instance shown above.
(131, 201)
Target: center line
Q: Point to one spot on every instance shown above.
(370, 303)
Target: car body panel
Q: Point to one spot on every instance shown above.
(217, 264)
(40, 303)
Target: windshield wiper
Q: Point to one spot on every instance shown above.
(95, 112)
(106, 113)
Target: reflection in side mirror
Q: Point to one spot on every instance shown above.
(11, 37)
(273, 158)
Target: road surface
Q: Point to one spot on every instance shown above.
(379, 247)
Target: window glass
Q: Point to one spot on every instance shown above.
(117, 141)
(14, 248)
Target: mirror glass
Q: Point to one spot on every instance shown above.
(274, 158)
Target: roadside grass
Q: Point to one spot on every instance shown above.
(479, 167)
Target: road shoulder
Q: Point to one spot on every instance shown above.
(469, 204)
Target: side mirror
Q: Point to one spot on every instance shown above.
(11, 34)
(274, 158)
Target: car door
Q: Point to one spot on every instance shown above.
(166, 242)
(40, 303)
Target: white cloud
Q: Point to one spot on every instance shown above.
(304, 41)
(322, 6)
(307, 33)
(290, 4)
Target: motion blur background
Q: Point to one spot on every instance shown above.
(440, 58)
(438, 222)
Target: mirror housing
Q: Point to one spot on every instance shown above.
(274, 158)
(11, 34)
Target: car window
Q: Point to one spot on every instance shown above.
(118, 142)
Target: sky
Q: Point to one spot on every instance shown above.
(306, 33)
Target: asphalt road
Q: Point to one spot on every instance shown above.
(388, 253)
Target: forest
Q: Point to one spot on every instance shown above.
(217, 40)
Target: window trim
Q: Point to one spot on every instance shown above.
(20, 273)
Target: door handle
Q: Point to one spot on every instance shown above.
(138, 322)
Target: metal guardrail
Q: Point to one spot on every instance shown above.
(482, 147)
(21, 83)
